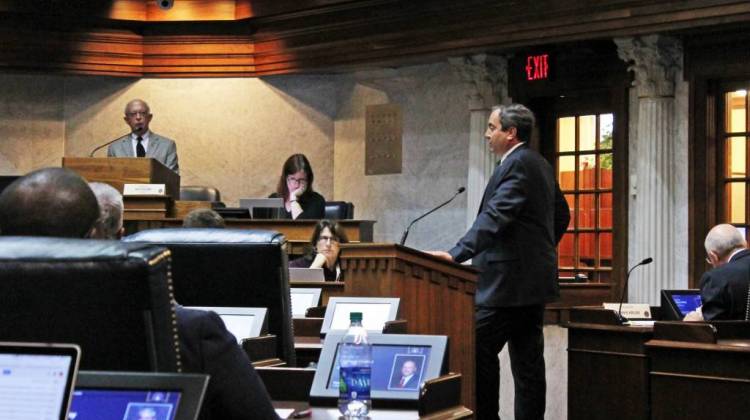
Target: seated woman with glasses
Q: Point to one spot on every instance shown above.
(296, 188)
(324, 250)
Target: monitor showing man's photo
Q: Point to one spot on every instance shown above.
(406, 372)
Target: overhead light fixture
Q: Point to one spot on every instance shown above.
(165, 4)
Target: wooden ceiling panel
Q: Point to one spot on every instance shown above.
(258, 37)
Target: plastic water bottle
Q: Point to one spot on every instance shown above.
(355, 361)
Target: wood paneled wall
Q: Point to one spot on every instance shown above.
(198, 38)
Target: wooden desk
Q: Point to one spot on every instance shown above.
(608, 371)
(700, 380)
(297, 232)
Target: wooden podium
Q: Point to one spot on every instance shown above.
(437, 297)
(119, 171)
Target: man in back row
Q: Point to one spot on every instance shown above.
(142, 142)
(57, 202)
(724, 290)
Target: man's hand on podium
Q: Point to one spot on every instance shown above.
(441, 254)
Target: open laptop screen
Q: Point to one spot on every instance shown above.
(117, 404)
(137, 396)
(36, 381)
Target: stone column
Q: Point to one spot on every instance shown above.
(658, 175)
(486, 80)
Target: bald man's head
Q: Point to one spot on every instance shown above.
(721, 241)
(48, 202)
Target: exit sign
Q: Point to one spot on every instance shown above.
(537, 67)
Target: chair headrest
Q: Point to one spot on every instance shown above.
(38, 248)
(207, 235)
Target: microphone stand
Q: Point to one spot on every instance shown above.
(621, 319)
(406, 232)
(105, 144)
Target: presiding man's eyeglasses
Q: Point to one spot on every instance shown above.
(137, 113)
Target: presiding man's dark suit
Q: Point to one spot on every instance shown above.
(513, 242)
(235, 391)
(160, 148)
(724, 289)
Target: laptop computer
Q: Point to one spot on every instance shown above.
(263, 208)
(36, 380)
(137, 395)
(306, 274)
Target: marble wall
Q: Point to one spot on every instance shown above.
(435, 153)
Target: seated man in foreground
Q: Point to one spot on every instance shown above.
(724, 290)
(57, 202)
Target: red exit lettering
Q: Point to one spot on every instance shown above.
(537, 67)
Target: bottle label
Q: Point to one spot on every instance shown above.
(354, 383)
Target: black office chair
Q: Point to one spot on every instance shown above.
(112, 299)
(199, 193)
(231, 267)
(338, 210)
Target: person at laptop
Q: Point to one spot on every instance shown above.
(296, 188)
(141, 142)
(724, 288)
(324, 250)
(58, 202)
(109, 225)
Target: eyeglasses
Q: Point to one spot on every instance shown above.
(327, 239)
(294, 180)
(137, 113)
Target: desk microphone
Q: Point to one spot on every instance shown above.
(406, 232)
(621, 319)
(106, 144)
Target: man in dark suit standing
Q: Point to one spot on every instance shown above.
(513, 242)
(142, 142)
(724, 290)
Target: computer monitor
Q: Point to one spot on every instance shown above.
(36, 380)
(303, 298)
(376, 311)
(395, 357)
(233, 212)
(306, 274)
(263, 208)
(135, 395)
(675, 304)
(241, 322)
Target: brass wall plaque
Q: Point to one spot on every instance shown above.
(383, 131)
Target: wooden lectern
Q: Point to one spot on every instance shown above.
(437, 297)
(119, 171)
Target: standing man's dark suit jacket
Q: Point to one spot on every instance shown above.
(724, 289)
(235, 391)
(514, 238)
(160, 148)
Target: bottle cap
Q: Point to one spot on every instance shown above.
(355, 316)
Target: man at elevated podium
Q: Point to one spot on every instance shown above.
(141, 142)
(513, 240)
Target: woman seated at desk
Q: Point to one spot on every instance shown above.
(296, 188)
(324, 250)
